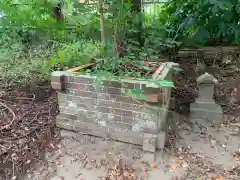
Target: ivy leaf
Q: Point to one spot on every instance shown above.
(147, 68)
(53, 61)
(201, 34)
(138, 92)
(215, 9)
(81, 20)
(166, 83)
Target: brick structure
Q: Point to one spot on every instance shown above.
(106, 111)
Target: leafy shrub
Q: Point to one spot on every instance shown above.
(75, 54)
(156, 36)
(203, 22)
(26, 67)
(31, 39)
(156, 32)
(10, 45)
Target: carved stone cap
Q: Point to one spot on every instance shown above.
(207, 79)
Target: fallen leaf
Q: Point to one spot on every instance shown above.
(52, 146)
(185, 165)
(181, 157)
(175, 166)
(153, 165)
(220, 178)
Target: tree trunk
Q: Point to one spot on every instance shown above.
(136, 10)
(136, 5)
(100, 7)
(57, 12)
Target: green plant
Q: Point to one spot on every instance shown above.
(156, 35)
(69, 43)
(211, 22)
(30, 35)
(34, 67)
(10, 46)
(75, 54)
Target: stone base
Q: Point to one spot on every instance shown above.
(153, 158)
(150, 142)
(206, 110)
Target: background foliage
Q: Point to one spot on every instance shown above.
(203, 22)
(31, 35)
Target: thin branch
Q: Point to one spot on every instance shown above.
(13, 119)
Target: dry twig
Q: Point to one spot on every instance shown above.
(13, 118)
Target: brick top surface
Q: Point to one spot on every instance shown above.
(161, 75)
(58, 73)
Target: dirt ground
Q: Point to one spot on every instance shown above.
(203, 150)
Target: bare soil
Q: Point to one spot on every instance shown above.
(202, 150)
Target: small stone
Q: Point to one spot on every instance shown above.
(14, 177)
(29, 176)
(213, 143)
(28, 161)
(125, 174)
(180, 150)
(103, 162)
(228, 168)
(88, 166)
(223, 146)
(57, 178)
(14, 154)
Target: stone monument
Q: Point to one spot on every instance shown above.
(204, 106)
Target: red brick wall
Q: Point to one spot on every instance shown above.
(106, 110)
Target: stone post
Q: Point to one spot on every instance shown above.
(58, 80)
(237, 89)
(205, 107)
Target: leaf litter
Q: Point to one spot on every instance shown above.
(27, 128)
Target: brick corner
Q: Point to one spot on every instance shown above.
(64, 123)
(149, 142)
(161, 138)
(58, 80)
